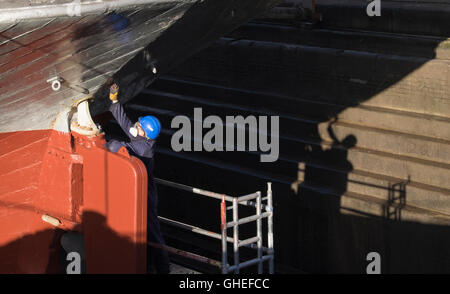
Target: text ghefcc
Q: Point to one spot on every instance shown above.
(227, 284)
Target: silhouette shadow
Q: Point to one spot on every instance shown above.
(46, 251)
(317, 228)
(396, 200)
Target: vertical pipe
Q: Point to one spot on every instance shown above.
(259, 232)
(223, 219)
(270, 227)
(236, 235)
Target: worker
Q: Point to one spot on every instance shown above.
(142, 135)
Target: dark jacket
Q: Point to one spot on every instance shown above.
(141, 147)
(144, 149)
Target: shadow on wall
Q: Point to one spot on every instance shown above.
(330, 234)
(46, 251)
(320, 226)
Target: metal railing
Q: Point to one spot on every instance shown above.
(263, 210)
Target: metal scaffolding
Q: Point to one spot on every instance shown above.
(263, 210)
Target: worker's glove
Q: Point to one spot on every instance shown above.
(114, 93)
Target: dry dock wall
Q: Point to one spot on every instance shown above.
(364, 109)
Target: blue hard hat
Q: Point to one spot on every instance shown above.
(151, 126)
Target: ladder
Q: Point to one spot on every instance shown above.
(263, 210)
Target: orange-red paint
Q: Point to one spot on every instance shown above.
(75, 179)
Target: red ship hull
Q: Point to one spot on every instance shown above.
(72, 179)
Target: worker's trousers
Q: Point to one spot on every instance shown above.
(156, 258)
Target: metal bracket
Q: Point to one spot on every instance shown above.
(149, 64)
(84, 124)
(56, 83)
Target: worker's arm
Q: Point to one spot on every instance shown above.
(139, 146)
(142, 147)
(118, 112)
(114, 145)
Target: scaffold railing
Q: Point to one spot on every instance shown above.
(263, 210)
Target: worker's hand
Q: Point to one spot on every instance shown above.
(114, 93)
